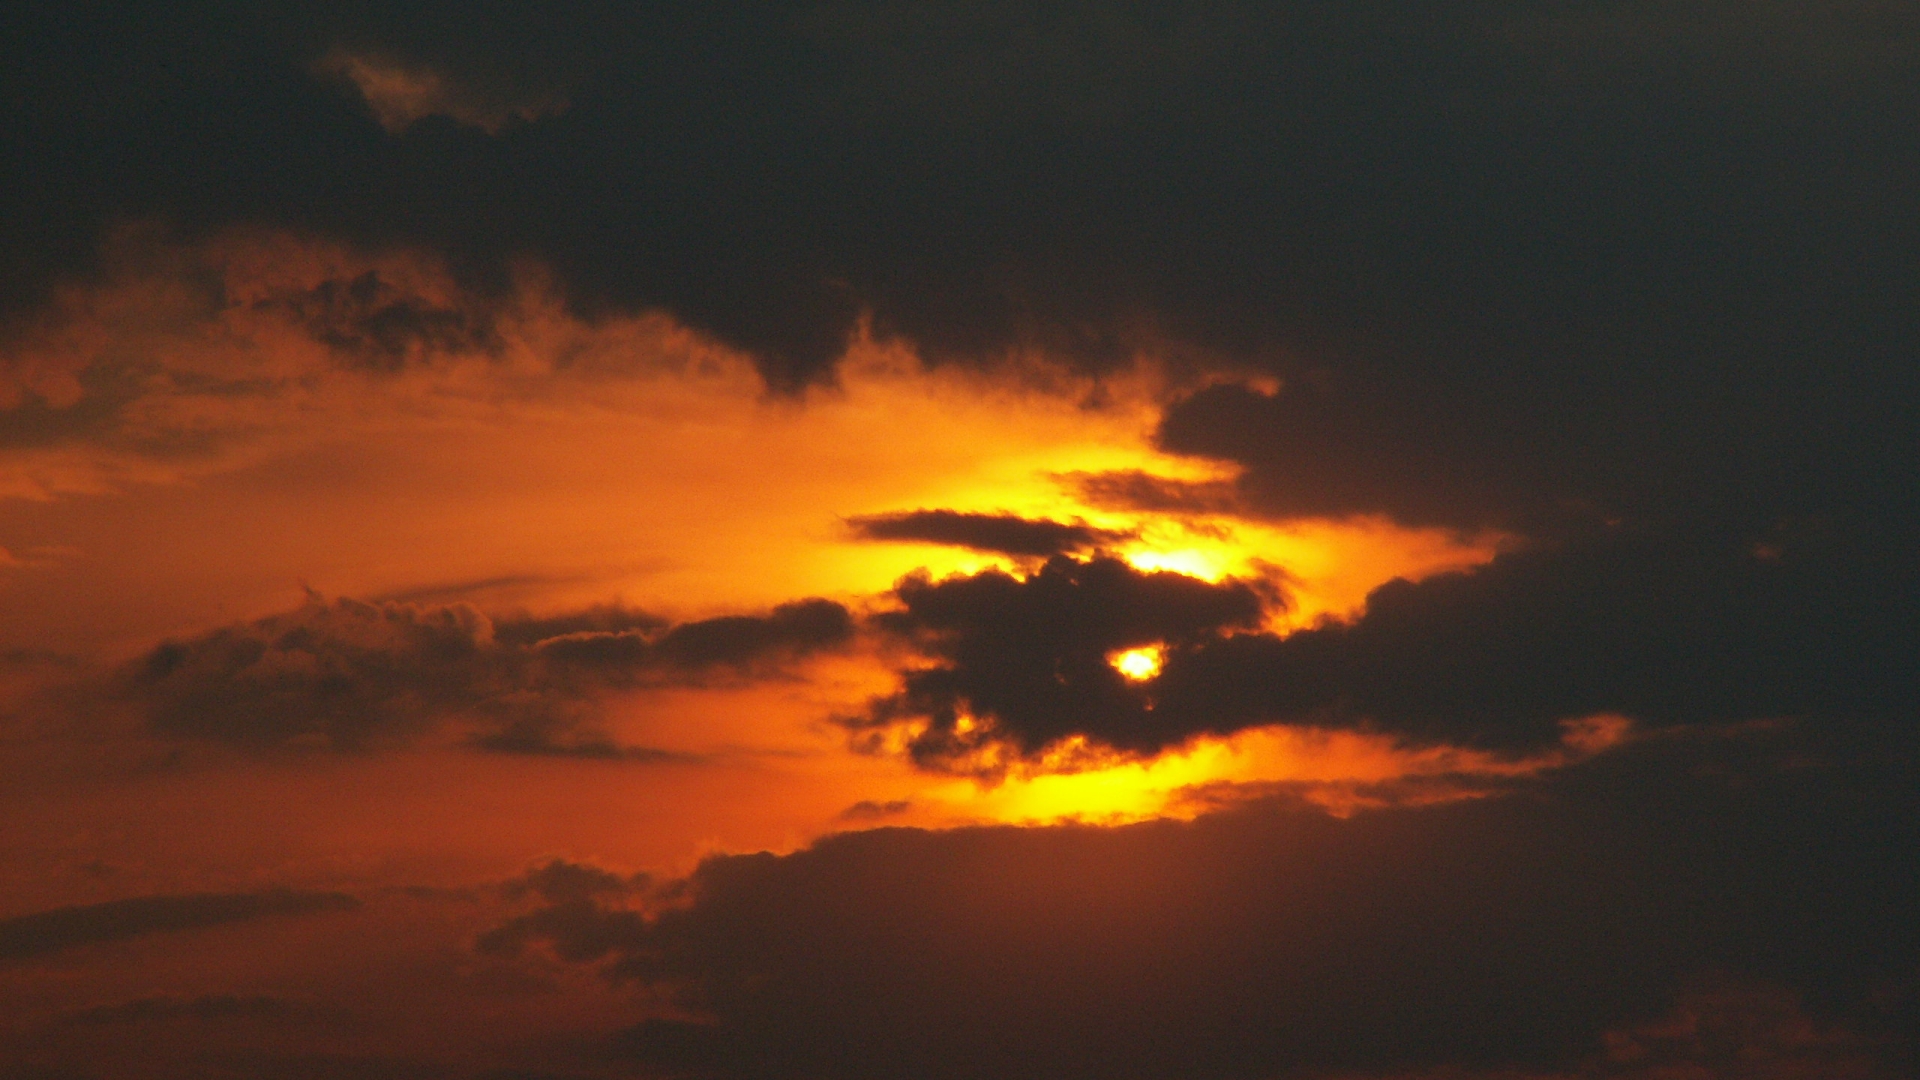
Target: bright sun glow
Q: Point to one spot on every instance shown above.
(1137, 664)
(1323, 766)
(1207, 566)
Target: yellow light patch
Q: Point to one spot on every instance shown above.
(1137, 664)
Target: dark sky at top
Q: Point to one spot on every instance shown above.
(1520, 257)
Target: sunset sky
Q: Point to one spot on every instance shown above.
(841, 540)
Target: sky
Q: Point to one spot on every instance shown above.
(1206, 541)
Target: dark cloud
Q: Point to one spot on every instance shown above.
(1566, 927)
(1008, 534)
(64, 928)
(731, 641)
(1314, 450)
(351, 675)
(1534, 458)
(559, 881)
(582, 911)
(1571, 196)
(1024, 661)
(1667, 630)
(372, 323)
(343, 673)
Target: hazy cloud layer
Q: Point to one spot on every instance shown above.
(1562, 928)
(26, 936)
(349, 675)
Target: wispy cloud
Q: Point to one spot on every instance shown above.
(401, 94)
(71, 927)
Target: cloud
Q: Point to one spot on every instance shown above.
(793, 629)
(186, 354)
(558, 881)
(574, 913)
(1131, 489)
(383, 325)
(733, 642)
(1023, 661)
(869, 810)
(349, 675)
(1664, 628)
(1720, 1026)
(1271, 182)
(1314, 450)
(1544, 932)
(401, 94)
(1007, 534)
(27, 936)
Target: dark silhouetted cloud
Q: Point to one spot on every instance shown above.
(1008, 534)
(1023, 661)
(1757, 882)
(732, 641)
(65, 928)
(1664, 630)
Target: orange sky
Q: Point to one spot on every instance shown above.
(570, 464)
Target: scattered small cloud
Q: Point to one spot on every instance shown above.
(869, 810)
